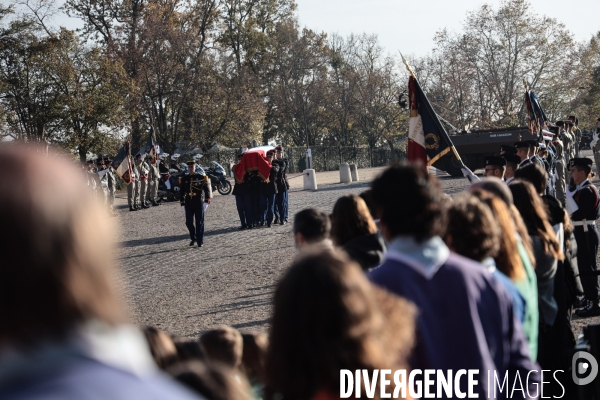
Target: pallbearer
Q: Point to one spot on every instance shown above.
(281, 200)
(194, 193)
(239, 191)
(583, 206)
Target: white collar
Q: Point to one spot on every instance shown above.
(425, 257)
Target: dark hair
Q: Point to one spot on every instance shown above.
(585, 168)
(313, 224)
(223, 344)
(254, 355)
(188, 350)
(535, 215)
(472, 231)
(57, 255)
(211, 381)
(408, 201)
(496, 187)
(326, 318)
(350, 219)
(367, 196)
(534, 174)
(162, 347)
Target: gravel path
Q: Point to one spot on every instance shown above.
(231, 279)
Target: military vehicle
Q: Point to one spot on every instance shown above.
(474, 146)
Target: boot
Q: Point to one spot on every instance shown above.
(155, 204)
(132, 208)
(144, 205)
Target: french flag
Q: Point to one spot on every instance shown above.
(416, 135)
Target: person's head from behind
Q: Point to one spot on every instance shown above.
(535, 215)
(162, 347)
(325, 318)
(471, 230)
(212, 381)
(507, 258)
(254, 356)
(512, 164)
(408, 202)
(350, 219)
(224, 345)
(310, 226)
(57, 253)
(523, 150)
(534, 174)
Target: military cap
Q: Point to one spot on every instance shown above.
(495, 160)
(572, 118)
(569, 122)
(512, 158)
(533, 143)
(559, 123)
(190, 162)
(522, 144)
(553, 129)
(508, 149)
(586, 162)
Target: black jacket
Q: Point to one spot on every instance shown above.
(282, 183)
(270, 188)
(366, 250)
(194, 191)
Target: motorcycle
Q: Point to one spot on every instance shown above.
(218, 178)
(164, 194)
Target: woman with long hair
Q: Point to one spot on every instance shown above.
(546, 246)
(354, 230)
(327, 317)
(513, 260)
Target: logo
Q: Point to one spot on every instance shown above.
(584, 367)
(432, 141)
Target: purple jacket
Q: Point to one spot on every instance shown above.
(465, 319)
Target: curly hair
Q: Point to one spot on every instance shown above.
(408, 201)
(472, 231)
(326, 317)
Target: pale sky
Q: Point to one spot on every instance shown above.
(409, 26)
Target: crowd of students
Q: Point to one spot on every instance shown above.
(453, 288)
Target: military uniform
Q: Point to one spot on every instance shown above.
(193, 194)
(133, 189)
(143, 169)
(239, 191)
(281, 198)
(560, 183)
(153, 181)
(586, 234)
(268, 193)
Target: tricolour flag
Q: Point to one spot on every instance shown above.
(123, 163)
(428, 141)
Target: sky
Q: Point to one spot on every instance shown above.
(409, 26)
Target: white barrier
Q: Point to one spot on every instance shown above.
(354, 172)
(345, 176)
(310, 179)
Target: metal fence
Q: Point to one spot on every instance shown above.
(323, 158)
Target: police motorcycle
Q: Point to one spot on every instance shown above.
(170, 191)
(218, 178)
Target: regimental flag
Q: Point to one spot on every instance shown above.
(535, 113)
(428, 141)
(123, 163)
(152, 148)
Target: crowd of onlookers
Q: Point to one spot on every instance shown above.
(400, 277)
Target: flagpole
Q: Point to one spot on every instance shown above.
(436, 119)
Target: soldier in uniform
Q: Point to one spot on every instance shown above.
(507, 149)
(153, 180)
(523, 152)
(133, 189)
(163, 168)
(194, 193)
(239, 191)
(576, 133)
(268, 190)
(281, 198)
(533, 153)
(111, 180)
(143, 169)
(559, 163)
(102, 182)
(583, 205)
(512, 163)
(566, 139)
(495, 166)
